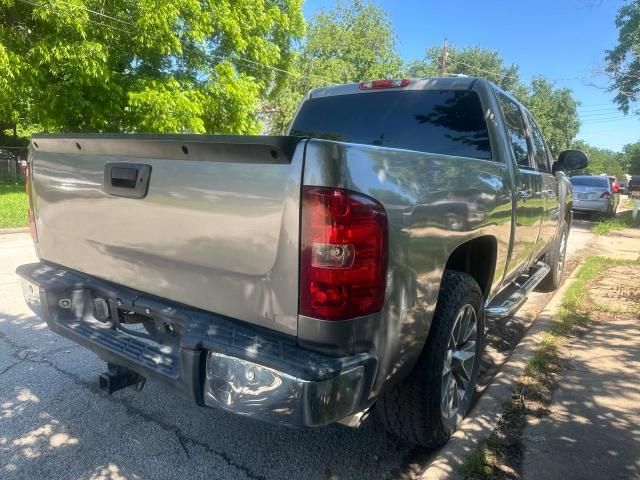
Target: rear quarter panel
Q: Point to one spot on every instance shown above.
(434, 204)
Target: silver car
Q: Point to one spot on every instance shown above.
(594, 194)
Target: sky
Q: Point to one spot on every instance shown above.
(563, 40)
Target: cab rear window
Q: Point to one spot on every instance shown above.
(449, 122)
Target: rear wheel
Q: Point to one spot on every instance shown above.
(426, 408)
(555, 258)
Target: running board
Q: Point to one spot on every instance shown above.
(508, 306)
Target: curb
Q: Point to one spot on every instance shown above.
(486, 413)
(4, 231)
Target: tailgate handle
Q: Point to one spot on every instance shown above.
(127, 179)
(124, 177)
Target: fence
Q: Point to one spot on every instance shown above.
(11, 168)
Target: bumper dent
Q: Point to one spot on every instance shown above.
(213, 360)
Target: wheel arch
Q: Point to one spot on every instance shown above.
(476, 257)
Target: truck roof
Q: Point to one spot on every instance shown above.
(428, 83)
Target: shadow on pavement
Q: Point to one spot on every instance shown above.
(593, 429)
(56, 423)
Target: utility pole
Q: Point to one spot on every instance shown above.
(444, 58)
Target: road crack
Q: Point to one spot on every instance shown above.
(184, 447)
(132, 411)
(5, 370)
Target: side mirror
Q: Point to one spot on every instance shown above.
(571, 160)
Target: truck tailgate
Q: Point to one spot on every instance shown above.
(217, 228)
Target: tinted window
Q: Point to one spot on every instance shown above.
(590, 181)
(438, 121)
(516, 130)
(540, 149)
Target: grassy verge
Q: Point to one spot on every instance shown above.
(608, 225)
(499, 456)
(13, 205)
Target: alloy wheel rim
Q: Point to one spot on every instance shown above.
(459, 362)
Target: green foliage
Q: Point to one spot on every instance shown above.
(144, 65)
(555, 111)
(619, 222)
(353, 41)
(623, 61)
(473, 61)
(631, 154)
(601, 160)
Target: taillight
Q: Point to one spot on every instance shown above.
(605, 195)
(30, 213)
(384, 84)
(344, 242)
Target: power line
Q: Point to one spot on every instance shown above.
(276, 69)
(219, 56)
(603, 106)
(604, 115)
(53, 9)
(589, 105)
(600, 114)
(606, 120)
(81, 7)
(595, 114)
(515, 77)
(597, 110)
(603, 120)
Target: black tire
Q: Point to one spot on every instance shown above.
(555, 258)
(413, 409)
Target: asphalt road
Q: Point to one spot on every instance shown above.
(56, 424)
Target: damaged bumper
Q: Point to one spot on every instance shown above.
(213, 360)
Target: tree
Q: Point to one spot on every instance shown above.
(623, 61)
(474, 61)
(143, 65)
(555, 111)
(601, 160)
(631, 154)
(353, 41)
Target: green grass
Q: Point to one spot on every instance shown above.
(608, 225)
(504, 446)
(13, 205)
(476, 466)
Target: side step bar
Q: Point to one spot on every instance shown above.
(508, 306)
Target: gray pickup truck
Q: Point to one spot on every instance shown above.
(304, 279)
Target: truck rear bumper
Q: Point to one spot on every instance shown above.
(213, 360)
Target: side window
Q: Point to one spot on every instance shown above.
(540, 154)
(516, 130)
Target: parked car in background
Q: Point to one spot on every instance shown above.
(614, 183)
(303, 279)
(623, 187)
(594, 195)
(6, 154)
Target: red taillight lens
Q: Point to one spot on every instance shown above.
(343, 261)
(32, 218)
(605, 195)
(384, 84)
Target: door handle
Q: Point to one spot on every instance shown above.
(129, 180)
